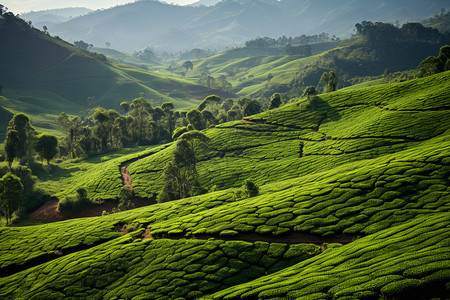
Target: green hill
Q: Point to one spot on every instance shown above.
(44, 76)
(353, 203)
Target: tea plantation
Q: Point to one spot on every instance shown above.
(354, 203)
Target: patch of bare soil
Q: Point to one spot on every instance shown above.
(49, 212)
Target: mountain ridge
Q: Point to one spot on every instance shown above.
(207, 26)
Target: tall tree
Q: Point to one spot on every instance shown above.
(194, 139)
(195, 118)
(47, 146)
(11, 146)
(10, 191)
(141, 110)
(25, 134)
(188, 65)
(180, 174)
(275, 101)
(72, 127)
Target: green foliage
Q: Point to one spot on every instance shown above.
(77, 203)
(433, 65)
(125, 197)
(250, 189)
(10, 192)
(46, 145)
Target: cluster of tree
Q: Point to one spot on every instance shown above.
(104, 130)
(180, 174)
(433, 65)
(142, 124)
(267, 42)
(16, 200)
(377, 49)
(220, 82)
(22, 141)
(83, 45)
(146, 55)
(379, 33)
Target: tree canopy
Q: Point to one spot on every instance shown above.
(10, 191)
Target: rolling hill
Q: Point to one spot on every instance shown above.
(44, 76)
(353, 203)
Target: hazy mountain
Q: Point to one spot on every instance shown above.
(231, 22)
(205, 3)
(54, 16)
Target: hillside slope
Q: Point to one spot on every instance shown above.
(42, 75)
(359, 210)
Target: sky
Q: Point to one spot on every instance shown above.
(22, 6)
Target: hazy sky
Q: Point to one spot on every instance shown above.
(21, 6)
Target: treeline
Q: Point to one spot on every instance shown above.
(142, 124)
(379, 33)
(377, 49)
(23, 143)
(267, 42)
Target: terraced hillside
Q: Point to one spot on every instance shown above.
(354, 204)
(247, 69)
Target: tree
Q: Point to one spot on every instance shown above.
(1, 89)
(72, 127)
(82, 44)
(11, 145)
(10, 191)
(45, 28)
(108, 44)
(141, 110)
(251, 108)
(180, 174)
(195, 118)
(23, 141)
(275, 101)
(167, 108)
(47, 146)
(178, 132)
(227, 105)
(269, 77)
(125, 106)
(125, 199)
(433, 65)
(250, 189)
(194, 138)
(330, 80)
(188, 65)
(211, 101)
(309, 91)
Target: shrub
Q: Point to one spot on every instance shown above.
(75, 204)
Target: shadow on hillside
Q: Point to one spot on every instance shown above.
(325, 112)
(54, 172)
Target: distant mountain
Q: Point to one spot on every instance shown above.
(53, 16)
(150, 23)
(205, 3)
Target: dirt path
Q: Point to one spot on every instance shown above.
(126, 177)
